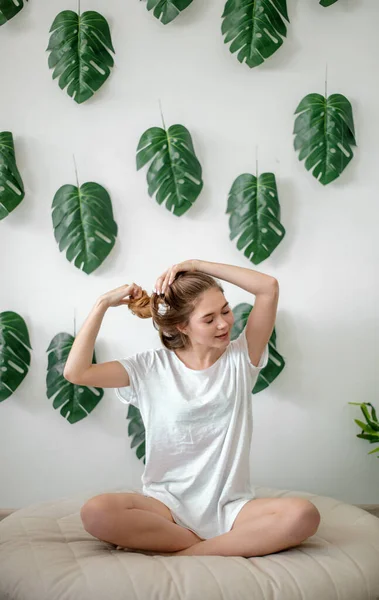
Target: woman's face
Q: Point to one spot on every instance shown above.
(211, 318)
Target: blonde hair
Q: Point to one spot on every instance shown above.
(175, 307)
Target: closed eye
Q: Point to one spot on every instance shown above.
(224, 313)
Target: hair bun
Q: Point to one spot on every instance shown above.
(141, 306)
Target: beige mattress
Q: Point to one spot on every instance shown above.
(45, 554)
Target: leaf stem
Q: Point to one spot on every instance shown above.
(76, 172)
(160, 108)
(256, 161)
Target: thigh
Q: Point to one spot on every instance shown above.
(258, 507)
(118, 500)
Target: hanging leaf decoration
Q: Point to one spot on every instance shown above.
(275, 363)
(167, 10)
(324, 135)
(256, 28)
(9, 9)
(11, 187)
(254, 211)
(136, 430)
(77, 401)
(79, 52)
(83, 223)
(14, 352)
(327, 2)
(175, 173)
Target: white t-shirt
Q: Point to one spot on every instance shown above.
(198, 433)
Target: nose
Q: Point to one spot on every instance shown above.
(222, 325)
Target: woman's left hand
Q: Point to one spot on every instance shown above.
(168, 276)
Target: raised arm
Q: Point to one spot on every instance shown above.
(261, 321)
(79, 368)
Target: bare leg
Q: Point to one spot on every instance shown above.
(113, 518)
(136, 528)
(266, 534)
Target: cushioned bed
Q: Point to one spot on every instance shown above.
(45, 554)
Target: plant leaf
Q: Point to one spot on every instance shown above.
(373, 439)
(364, 427)
(324, 134)
(141, 451)
(275, 363)
(167, 10)
(254, 211)
(255, 27)
(11, 186)
(136, 430)
(14, 352)
(9, 9)
(374, 426)
(83, 222)
(327, 2)
(79, 52)
(373, 412)
(77, 401)
(373, 451)
(175, 174)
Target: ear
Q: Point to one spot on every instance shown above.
(182, 329)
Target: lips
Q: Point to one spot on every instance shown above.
(221, 337)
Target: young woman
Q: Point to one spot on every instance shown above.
(194, 395)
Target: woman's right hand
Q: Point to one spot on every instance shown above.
(118, 296)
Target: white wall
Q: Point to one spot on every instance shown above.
(327, 323)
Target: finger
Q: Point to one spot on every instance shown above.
(158, 284)
(135, 291)
(173, 273)
(166, 280)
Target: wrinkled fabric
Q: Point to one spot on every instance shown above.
(198, 433)
(45, 554)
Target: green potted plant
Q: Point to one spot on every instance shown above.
(370, 429)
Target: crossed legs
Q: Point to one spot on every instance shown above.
(135, 522)
(263, 526)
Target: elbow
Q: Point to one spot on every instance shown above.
(68, 376)
(274, 285)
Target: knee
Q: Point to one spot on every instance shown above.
(304, 519)
(94, 513)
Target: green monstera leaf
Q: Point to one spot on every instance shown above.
(275, 363)
(327, 2)
(79, 52)
(14, 352)
(254, 211)
(83, 223)
(9, 9)
(11, 187)
(175, 173)
(370, 429)
(167, 10)
(136, 430)
(256, 28)
(77, 401)
(324, 134)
